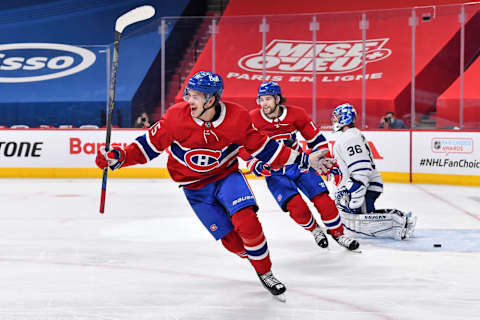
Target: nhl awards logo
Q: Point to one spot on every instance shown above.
(452, 145)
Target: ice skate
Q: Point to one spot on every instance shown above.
(273, 285)
(320, 237)
(349, 243)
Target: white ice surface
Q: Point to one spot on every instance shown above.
(148, 257)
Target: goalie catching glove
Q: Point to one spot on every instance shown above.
(351, 197)
(112, 159)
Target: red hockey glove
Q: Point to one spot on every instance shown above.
(112, 159)
(259, 168)
(334, 174)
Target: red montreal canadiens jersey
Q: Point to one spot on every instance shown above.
(201, 152)
(285, 127)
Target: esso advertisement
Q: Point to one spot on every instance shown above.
(30, 62)
(446, 153)
(62, 149)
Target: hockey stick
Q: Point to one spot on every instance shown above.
(131, 17)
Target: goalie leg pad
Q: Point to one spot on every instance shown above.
(300, 213)
(249, 229)
(411, 223)
(386, 223)
(329, 213)
(233, 243)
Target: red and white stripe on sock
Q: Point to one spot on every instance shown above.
(249, 229)
(329, 213)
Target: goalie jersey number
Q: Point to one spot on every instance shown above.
(357, 149)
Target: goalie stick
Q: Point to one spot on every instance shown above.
(131, 17)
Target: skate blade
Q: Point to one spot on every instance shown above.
(281, 297)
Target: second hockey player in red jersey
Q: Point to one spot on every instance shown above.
(282, 123)
(203, 136)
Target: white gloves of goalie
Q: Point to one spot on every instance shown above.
(351, 197)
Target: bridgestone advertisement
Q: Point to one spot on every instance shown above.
(60, 148)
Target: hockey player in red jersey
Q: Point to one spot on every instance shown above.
(282, 123)
(202, 137)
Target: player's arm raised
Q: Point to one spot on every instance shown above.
(145, 148)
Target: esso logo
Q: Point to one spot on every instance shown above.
(202, 160)
(30, 62)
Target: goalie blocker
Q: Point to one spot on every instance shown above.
(383, 223)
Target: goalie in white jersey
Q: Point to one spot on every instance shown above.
(361, 184)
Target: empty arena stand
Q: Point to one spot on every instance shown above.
(55, 57)
(448, 104)
(289, 43)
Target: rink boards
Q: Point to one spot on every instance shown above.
(446, 157)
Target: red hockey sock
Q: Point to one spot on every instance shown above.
(233, 243)
(300, 213)
(250, 231)
(329, 213)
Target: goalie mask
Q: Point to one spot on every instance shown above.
(342, 116)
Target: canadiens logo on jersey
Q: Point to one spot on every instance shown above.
(202, 160)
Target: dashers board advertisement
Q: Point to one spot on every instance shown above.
(441, 152)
